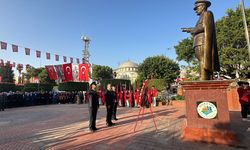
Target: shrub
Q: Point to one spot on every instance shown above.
(32, 87)
(73, 86)
(6, 87)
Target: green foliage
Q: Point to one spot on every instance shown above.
(184, 50)
(160, 84)
(116, 82)
(7, 73)
(158, 67)
(6, 87)
(73, 86)
(33, 87)
(232, 44)
(178, 97)
(44, 77)
(102, 72)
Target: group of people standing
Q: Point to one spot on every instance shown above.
(113, 98)
(111, 103)
(244, 98)
(129, 98)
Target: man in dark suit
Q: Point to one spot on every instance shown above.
(115, 95)
(93, 107)
(109, 97)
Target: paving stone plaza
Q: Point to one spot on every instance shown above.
(66, 127)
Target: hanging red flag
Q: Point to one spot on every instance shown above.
(57, 57)
(0, 78)
(64, 58)
(71, 60)
(38, 54)
(83, 72)
(27, 51)
(67, 69)
(51, 71)
(77, 61)
(60, 73)
(14, 48)
(48, 56)
(3, 45)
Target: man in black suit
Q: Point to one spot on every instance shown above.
(115, 95)
(109, 97)
(93, 107)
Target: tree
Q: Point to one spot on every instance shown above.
(231, 44)
(102, 72)
(6, 73)
(158, 67)
(44, 77)
(184, 50)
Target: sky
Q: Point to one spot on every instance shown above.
(119, 30)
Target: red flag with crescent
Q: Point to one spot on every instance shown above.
(51, 71)
(83, 72)
(67, 69)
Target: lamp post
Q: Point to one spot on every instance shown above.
(245, 25)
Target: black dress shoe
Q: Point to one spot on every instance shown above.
(95, 129)
(115, 119)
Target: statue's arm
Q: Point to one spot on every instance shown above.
(198, 29)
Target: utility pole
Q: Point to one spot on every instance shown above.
(245, 26)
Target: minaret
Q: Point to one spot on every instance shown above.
(85, 51)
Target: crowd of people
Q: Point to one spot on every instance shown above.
(244, 98)
(21, 99)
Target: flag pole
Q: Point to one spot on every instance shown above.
(245, 25)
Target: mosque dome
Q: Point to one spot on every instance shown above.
(128, 64)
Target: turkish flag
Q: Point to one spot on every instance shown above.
(83, 72)
(64, 58)
(51, 71)
(3, 45)
(57, 57)
(14, 48)
(67, 69)
(27, 51)
(38, 54)
(48, 56)
(77, 61)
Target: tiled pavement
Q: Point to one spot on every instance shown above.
(66, 127)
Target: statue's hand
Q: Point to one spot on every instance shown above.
(188, 30)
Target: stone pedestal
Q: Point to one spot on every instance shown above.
(207, 112)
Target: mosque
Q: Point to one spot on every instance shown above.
(127, 70)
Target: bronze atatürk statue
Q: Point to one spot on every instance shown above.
(205, 44)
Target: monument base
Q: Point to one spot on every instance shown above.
(210, 136)
(207, 112)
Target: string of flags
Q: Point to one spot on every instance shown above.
(15, 49)
(62, 73)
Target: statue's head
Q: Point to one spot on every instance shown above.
(201, 6)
